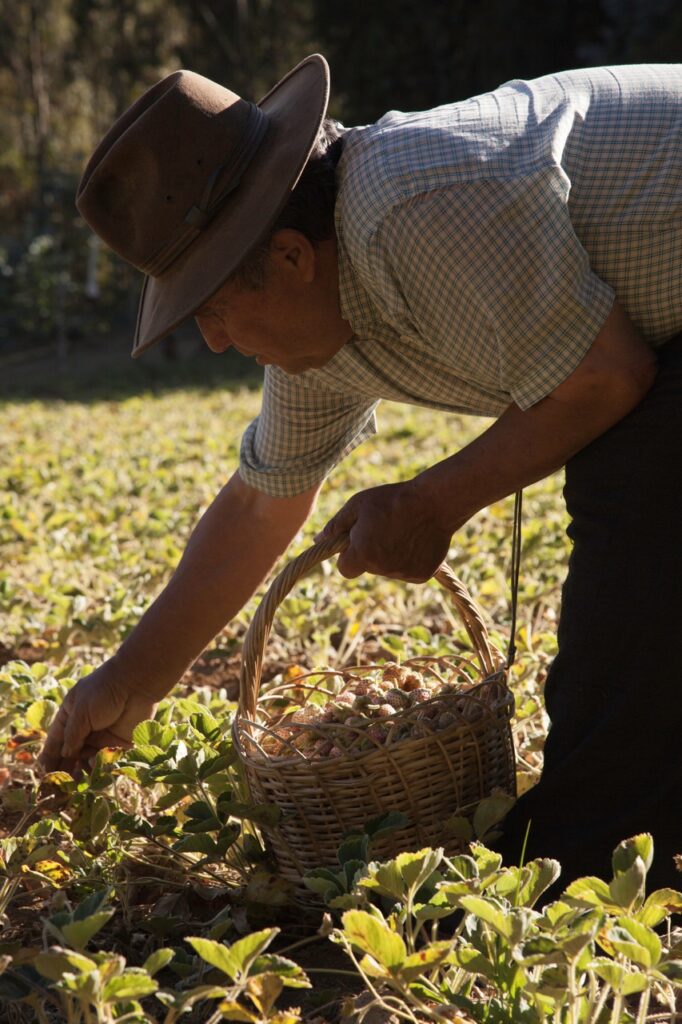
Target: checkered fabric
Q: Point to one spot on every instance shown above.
(480, 248)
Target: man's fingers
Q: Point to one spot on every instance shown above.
(342, 522)
(77, 728)
(50, 755)
(52, 748)
(349, 564)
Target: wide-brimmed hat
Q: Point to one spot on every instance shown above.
(189, 179)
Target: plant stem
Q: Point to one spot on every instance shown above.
(617, 1007)
(573, 1008)
(643, 1005)
(336, 970)
(298, 944)
(605, 992)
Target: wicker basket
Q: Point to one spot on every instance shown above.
(428, 776)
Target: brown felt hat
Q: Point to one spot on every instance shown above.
(191, 176)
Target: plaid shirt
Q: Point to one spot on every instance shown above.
(481, 245)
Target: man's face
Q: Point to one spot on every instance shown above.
(292, 321)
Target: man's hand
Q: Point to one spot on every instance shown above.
(393, 532)
(99, 711)
(404, 530)
(232, 549)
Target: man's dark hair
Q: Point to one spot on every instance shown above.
(309, 209)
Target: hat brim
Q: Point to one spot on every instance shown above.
(295, 108)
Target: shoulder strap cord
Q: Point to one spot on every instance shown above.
(515, 570)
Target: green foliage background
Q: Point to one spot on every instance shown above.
(69, 67)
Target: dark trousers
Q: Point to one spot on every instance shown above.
(613, 757)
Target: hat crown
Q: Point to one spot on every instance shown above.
(169, 154)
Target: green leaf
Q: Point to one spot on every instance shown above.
(62, 780)
(626, 853)
(263, 990)
(355, 848)
(386, 879)
(659, 905)
(292, 975)
(79, 933)
(132, 984)
(133, 823)
(205, 724)
(384, 824)
(234, 960)
(199, 810)
(622, 981)
(416, 868)
(438, 906)
(375, 938)
(590, 890)
(214, 765)
(489, 910)
(627, 888)
(200, 843)
(393, 643)
(234, 1011)
(91, 904)
(490, 812)
(635, 941)
(324, 883)
(537, 877)
(420, 633)
(201, 818)
(268, 888)
(227, 836)
(157, 960)
(672, 971)
(432, 955)
(262, 814)
(183, 1001)
(487, 862)
(458, 827)
(99, 815)
(469, 959)
(41, 714)
(541, 950)
(153, 734)
(58, 962)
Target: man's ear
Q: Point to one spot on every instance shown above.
(294, 253)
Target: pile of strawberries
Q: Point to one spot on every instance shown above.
(367, 713)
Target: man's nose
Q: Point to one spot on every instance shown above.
(214, 334)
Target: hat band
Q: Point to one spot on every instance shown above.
(199, 215)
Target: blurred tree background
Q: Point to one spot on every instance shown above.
(69, 67)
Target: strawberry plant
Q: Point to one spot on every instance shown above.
(141, 890)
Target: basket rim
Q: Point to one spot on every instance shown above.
(242, 730)
(489, 657)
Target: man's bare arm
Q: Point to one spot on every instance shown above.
(404, 530)
(522, 447)
(232, 549)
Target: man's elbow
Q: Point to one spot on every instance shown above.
(289, 512)
(636, 380)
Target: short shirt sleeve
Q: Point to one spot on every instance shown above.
(495, 275)
(303, 430)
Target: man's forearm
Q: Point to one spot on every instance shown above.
(521, 447)
(231, 551)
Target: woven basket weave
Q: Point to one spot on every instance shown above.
(428, 777)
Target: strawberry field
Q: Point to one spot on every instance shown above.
(143, 890)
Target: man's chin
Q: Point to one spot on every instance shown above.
(298, 366)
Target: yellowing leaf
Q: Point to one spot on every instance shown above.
(375, 938)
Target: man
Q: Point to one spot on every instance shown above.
(517, 255)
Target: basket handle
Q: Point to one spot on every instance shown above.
(259, 630)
